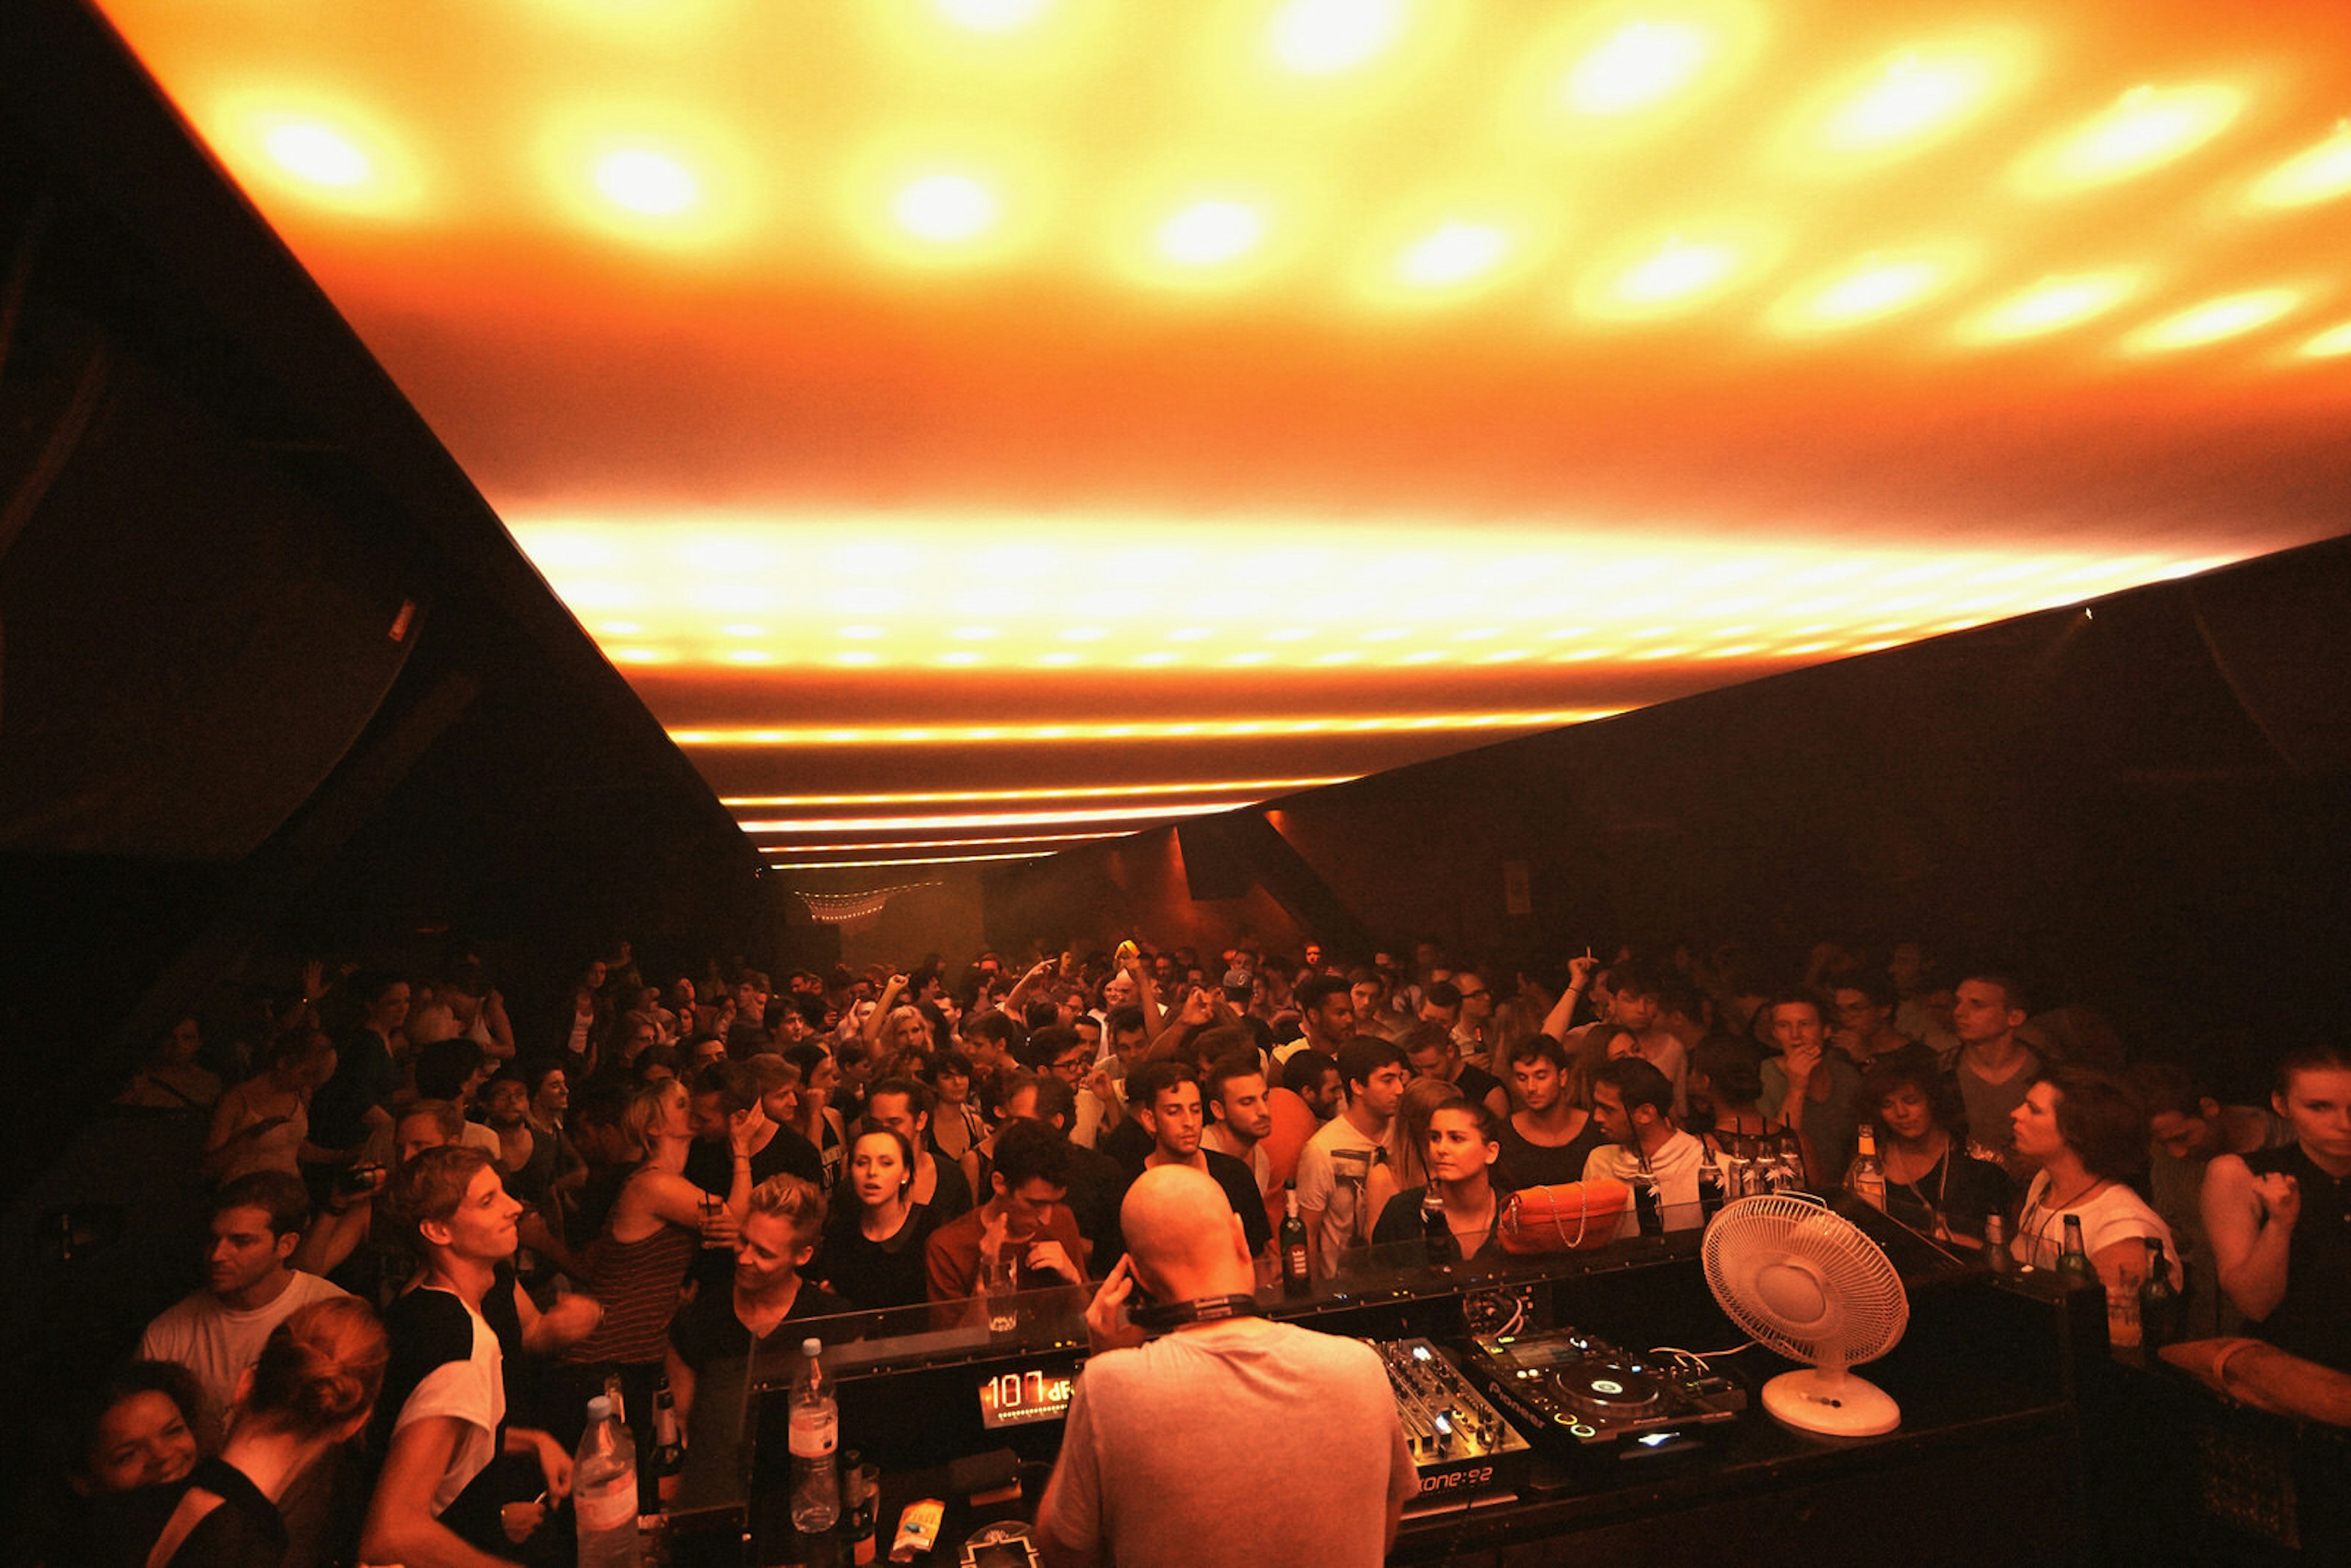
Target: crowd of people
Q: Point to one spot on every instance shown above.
(436, 1231)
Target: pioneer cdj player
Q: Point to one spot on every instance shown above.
(1459, 1443)
(1575, 1394)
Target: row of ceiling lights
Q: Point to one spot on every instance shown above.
(1121, 731)
(1457, 255)
(1487, 599)
(1157, 659)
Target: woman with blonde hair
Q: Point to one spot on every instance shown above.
(310, 1391)
(638, 1264)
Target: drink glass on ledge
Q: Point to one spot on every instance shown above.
(2122, 1308)
(998, 1305)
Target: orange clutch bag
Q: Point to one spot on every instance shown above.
(1568, 1218)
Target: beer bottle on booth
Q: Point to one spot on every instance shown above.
(1296, 1275)
(1711, 1184)
(1868, 1178)
(1436, 1230)
(668, 1458)
(2075, 1270)
(2160, 1306)
(1648, 1206)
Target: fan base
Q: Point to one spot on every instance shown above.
(1849, 1406)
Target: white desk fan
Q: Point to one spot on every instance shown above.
(1807, 1284)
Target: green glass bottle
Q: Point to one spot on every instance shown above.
(2161, 1308)
(2074, 1269)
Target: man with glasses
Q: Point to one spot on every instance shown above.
(1476, 1015)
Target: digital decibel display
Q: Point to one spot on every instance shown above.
(1021, 1399)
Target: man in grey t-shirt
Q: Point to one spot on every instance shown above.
(1152, 1473)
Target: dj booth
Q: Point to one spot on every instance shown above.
(1593, 1402)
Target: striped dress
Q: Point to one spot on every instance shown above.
(637, 1282)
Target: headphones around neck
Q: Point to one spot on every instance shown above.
(1158, 1318)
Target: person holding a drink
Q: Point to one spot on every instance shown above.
(1022, 1238)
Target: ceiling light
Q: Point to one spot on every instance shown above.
(1913, 98)
(1876, 289)
(2047, 306)
(1210, 234)
(1677, 275)
(2334, 341)
(319, 153)
(945, 208)
(1323, 37)
(1453, 253)
(648, 183)
(1637, 65)
(2319, 174)
(2149, 128)
(2228, 317)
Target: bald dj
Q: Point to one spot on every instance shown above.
(1162, 1463)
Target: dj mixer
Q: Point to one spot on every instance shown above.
(1459, 1442)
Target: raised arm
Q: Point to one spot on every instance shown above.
(872, 1027)
(1196, 1014)
(1562, 1016)
(1146, 992)
(1015, 1006)
(2251, 1221)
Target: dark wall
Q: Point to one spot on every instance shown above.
(276, 683)
(2143, 804)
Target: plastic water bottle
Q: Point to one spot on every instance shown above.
(605, 1490)
(815, 1432)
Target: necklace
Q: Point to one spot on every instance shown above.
(1942, 1187)
(2052, 1212)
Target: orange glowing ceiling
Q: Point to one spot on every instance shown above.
(975, 425)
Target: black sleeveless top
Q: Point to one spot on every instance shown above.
(2314, 1319)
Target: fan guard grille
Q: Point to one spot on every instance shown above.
(1804, 1282)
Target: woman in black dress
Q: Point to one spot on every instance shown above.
(311, 1391)
(873, 1246)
